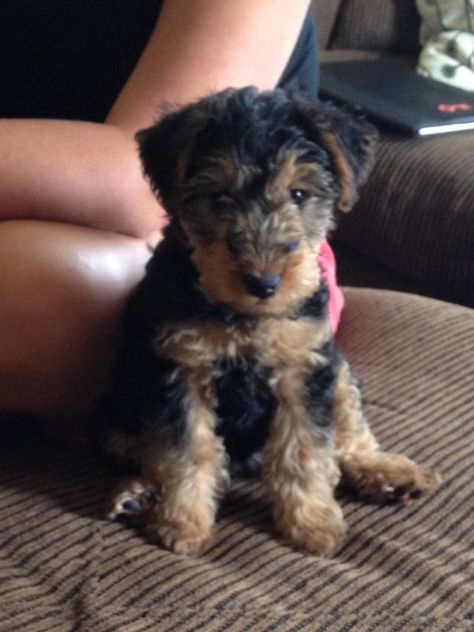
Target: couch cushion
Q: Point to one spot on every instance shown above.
(415, 216)
(325, 14)
(349, 54)
(385, 25)
(359, 270)
(63, 568)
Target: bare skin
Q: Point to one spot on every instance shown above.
(64, 286)
(64, 281)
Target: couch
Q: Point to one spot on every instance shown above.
(413, 228)
(63, 568)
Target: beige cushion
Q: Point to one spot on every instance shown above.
(63, 568)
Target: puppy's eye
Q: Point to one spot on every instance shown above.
(299, 196)
(291, 246)
(224, 202)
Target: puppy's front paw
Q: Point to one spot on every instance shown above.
(185, 536)
(131, 501)
(387, 477)
(318, 528)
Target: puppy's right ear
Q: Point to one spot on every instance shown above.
(165, 149)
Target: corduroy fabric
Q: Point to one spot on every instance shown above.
(64, 569)
(391, 26)
(415, 215)
(325, 14)
(358, 270)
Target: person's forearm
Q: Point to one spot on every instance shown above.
(82, 173)
(202, 46)
(89, 174)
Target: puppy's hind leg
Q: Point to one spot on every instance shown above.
(380, 476)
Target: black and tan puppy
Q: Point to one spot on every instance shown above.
(227, 349)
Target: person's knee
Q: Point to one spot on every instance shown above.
(63, 289)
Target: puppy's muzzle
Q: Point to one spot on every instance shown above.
(262, 286)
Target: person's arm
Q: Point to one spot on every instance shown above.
(74, 172)
(202, 46)
(89, 174)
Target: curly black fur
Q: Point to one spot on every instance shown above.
(251, 131)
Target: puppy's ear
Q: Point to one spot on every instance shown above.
(165, 149)
(350, 142)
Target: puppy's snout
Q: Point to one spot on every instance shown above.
(262, 286)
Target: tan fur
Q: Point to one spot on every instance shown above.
(300, 469)
(291, 175)
(190, 478)
(221, 175)
(219, 277)
(345, 175)
(300, 279)
(300, 472)
(275, 342)
(292, 343)
(191, 481)
(187, 480)
(375, 474)
(221, 280)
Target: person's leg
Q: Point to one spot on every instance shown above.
(62, 290)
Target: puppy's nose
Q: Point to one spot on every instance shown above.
(262, 286)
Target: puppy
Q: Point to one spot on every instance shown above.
(227, 351)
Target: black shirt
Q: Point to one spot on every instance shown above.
(69, 59)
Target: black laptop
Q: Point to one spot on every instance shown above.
(392, 94)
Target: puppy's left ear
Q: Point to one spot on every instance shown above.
(350, 142)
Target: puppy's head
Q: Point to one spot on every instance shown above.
(253, 178)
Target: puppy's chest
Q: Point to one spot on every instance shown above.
(273, 345)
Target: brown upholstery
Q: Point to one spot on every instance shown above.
(325, 13)
(385, 25)
(416, 215)
(63, 568)
(413, 228)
